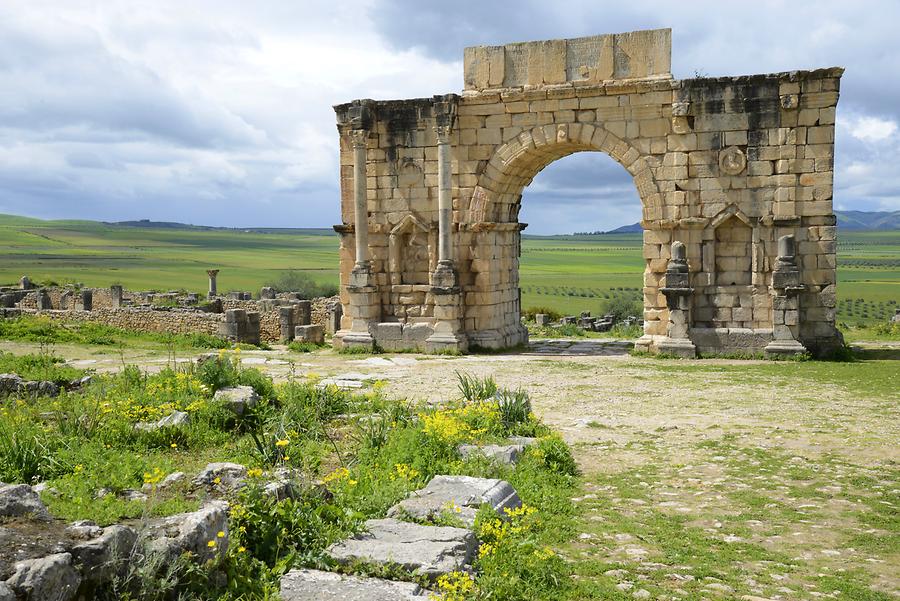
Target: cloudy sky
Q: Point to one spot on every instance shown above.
(218, 112)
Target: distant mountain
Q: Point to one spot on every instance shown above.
(634, 228)
(846, 220)
(174, 225)
(865, 220)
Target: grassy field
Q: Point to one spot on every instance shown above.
(144, 258)
(568, 273)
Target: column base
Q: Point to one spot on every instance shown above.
(445, 341)
(784, 348)
(351, 339)
(679, 347)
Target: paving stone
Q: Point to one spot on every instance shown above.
(315, 585)
(425, 550)
(458, 495)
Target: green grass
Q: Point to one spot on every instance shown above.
(568, 273)
(87, 441)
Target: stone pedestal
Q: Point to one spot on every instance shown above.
(786, 288)
(115, 296)
(448, 332)
(678, 300)
(286, 322)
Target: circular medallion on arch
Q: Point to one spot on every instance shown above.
(732, 161)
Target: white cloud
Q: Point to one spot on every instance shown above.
(219, 111)
(873, 129)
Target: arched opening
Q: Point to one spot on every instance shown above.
(491, 222)
(581, 252)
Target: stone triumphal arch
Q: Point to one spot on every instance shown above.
(734, 176)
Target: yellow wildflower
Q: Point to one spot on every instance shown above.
(282, 443)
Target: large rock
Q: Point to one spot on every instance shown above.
(460, 496)
(20, 500)
(42, 388)
(51, 578)
(229, 475)
(173, 420)
(425, 550)
(238, 398)
(191, 532)
(507, 454)
(6, 593)
(314, 585)
(10, 384)
(104, 556)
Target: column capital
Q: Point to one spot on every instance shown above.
(359, 138)
(444, 117)
(443, 133)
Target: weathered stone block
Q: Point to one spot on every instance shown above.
(429, 551)
(314, 585)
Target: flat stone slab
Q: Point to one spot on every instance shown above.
(314, 585)
(460, 496)
(426, 550)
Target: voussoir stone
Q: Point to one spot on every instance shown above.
(50, 578)
(315, 585)
(192, 532)
(237, 398)
(21, 500)
(457, 495)
(429, 551)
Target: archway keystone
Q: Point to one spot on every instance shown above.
(723, 166)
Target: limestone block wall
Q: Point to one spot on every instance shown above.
(725, 165)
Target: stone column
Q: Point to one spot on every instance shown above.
(360, 138)
(678, 299)
(447, 334)
(25, 283)
(365, 305)
(212, 273)
(786, 288)
(445, 273)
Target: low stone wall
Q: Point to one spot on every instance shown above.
(65, 304)
(144, 319)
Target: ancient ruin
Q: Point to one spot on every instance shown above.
(272, 318)
(734, 176)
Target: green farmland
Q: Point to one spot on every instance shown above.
(568, 273)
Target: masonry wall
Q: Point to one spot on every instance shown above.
(725, 165)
